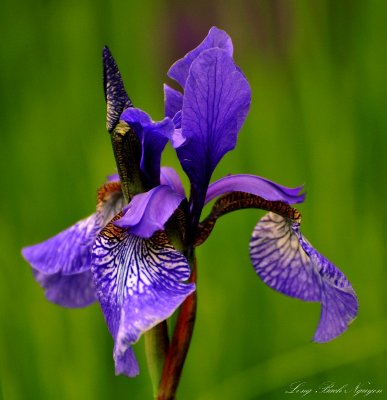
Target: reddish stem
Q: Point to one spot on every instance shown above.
(179, 345)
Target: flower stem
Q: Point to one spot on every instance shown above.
(156, 349)
(179, 346)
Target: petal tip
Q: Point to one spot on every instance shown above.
(116, 97)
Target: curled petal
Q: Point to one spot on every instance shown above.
(338, 299)
(173, 101)
(168, 176)
(216, 102)
(256, 185)
(288, 263)
(216, 38)
(148, 212)
(139, 282)
(153, 137)
(233, 201)
(76, 290)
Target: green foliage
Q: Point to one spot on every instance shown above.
(318, 75)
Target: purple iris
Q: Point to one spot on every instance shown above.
(133, 254)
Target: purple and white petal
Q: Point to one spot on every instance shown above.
(216, 38)
(139, 283)
(125, 362)
(168, 176)
(148, 212)
(153, 137)
(68, 252)
(338, 299)
(76, 290)
(173, 101)
(216, 102)
(61, 264)
(256, 185)
(287, 262)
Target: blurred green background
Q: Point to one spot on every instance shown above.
(318, 76)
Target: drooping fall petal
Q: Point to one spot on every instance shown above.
(61, 264)
(288, 263)
(139, 283)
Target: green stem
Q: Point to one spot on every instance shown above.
(156, 348)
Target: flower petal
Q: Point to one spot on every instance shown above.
(173, 101)
(215, 38)
(76, 290)
(216, 103)
(168, 176)
(113, 178)
(153, 137)
(116, 98)
(252, 184)
(68, 252)
(177, 138)
(338, 299)
(125, 363)
(148, 212)
(139, 283)
(287, 262)
(62, 262)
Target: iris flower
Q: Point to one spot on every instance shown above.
(134, 253)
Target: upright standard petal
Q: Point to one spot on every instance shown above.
(148, 212)
(216, 38)
(287, 262)
(139, 282)
(115, 95)
(216, 102)
(173, 101)
(256, 185)
(153, 137)
(61, 264)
